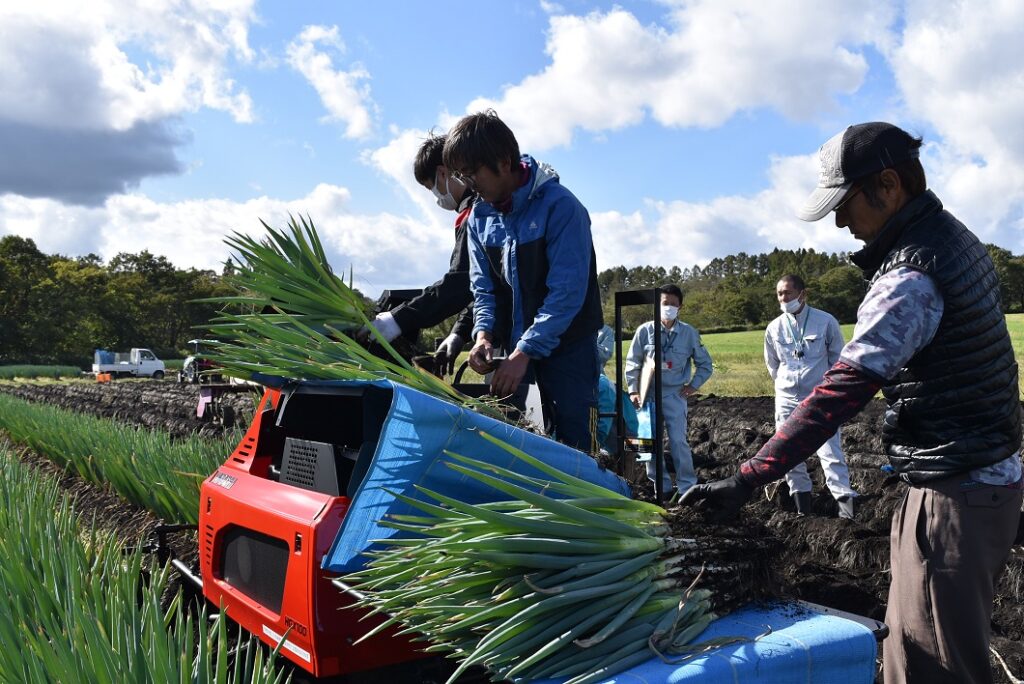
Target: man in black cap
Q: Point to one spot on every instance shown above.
(931, 335)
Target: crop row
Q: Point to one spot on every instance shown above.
(144, 467)
(80, 607)
(28, 372)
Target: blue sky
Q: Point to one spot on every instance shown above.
(688, 129)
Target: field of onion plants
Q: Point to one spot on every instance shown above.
(83, 601)
(144, 467)
(31, 372)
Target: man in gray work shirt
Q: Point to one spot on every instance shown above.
(680, 347)
(799, 346)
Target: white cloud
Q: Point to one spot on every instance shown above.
(395, 160)
(715, 58)
(384, 250)
(90, 98)
(960, 70)
(65, 67)
(678, 233)
(344, 94)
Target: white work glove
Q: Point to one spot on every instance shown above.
(446, 354)
(385, 324)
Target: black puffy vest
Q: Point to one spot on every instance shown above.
(955, 405)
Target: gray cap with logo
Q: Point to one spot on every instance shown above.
(850, 155)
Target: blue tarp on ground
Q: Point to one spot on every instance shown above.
(410, 451)
(804, 647)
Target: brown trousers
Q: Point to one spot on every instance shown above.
(949, 544)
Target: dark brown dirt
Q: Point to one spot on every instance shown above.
(157, 404)
(824, 559)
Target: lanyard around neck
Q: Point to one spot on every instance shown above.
(670, 337)
(792, 331)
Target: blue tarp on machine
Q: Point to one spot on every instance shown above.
(410, 451)
(804, 647)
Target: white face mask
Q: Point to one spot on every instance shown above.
(669, 312)
(445, 201)
(791, 307)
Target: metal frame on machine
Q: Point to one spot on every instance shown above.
(651, 297)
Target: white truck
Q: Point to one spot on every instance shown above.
(140, 363)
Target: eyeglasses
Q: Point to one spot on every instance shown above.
(846, 200)
(466, 178)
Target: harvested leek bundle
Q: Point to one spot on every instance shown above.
(299, 317)
(533, 587)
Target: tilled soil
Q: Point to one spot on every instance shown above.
(157, 404)
(823, 559)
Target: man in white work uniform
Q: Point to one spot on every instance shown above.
(799, 346)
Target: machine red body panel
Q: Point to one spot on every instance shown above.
(261, 546)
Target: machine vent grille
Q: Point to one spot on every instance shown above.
(208, 542)
(315, 465)
(302, 463)
(245, 448)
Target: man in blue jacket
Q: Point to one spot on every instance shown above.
(533, 274)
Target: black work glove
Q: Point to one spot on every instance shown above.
(447, 353)
(721, 499)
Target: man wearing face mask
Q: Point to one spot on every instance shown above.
(685, 366)
(451, 294)
(799, 346)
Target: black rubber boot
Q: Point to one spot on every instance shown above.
(846, 509)
(803, 503)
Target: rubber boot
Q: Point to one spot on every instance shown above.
(846, 507)
(803, 503)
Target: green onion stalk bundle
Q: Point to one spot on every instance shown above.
(298, 320)
(582, 586)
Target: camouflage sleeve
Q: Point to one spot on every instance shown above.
(898, 317)
(842, 393)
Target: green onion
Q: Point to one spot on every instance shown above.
(81, 607)
(581, 586)
(144, 466)
(295, 319)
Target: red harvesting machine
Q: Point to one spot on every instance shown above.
(270, 513)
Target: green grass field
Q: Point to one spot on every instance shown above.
(739, 364)
(24, 372)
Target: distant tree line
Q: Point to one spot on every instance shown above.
(737, 292)
(57, 309)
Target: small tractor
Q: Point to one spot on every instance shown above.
(196, 368)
